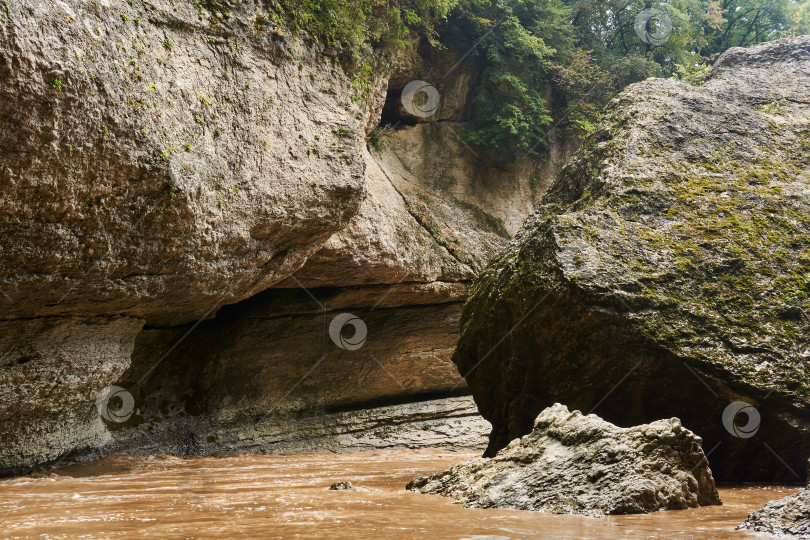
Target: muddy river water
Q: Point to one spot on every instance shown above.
(287, 496)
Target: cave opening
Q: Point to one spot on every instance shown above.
(393, 113)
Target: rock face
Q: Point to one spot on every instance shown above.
(575, 464)
(667, 272)
(134, 190)
(51, 372)
(161, 161)
(258, 375)
(787, 516)
(424, 423)
(132, 183)
(405, 231)
(266, 359)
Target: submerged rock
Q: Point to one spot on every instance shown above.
(787, 516)
(667, 272)
(342, 486)
(577, 464)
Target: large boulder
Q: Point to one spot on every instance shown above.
(576, 464)
(667, 272)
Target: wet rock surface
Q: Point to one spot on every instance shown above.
(427, 423)
(665, 273)
(789, 516)
(576, 464)
(254, 361)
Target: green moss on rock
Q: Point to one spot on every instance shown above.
(664, 273)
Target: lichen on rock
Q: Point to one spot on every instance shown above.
(667, 268)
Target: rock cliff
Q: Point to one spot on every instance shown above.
(434, 213)
(133, 183)
(159, 161)
(667, 272)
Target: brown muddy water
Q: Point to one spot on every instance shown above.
(287, 496)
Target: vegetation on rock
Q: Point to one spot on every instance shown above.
(545, 62)
(667, 268)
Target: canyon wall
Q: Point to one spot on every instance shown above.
(189, 203)
(270, 369)
(135, 191)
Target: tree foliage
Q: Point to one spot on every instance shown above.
(748, 22)
(355, 25)
(531, 58)
(551, 62)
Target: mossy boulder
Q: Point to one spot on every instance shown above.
(667, 272)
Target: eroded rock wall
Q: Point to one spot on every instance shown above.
(51, 372)
(436, 211)
(157, 161)
(161, 161)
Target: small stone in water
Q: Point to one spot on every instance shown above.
(343, 486)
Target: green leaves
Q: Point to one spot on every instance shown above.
(748, 22)
(546, 62)
(521, 71)
(561, 61)
(353, 25)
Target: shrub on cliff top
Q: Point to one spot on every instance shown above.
(356, 24)
(548, 62)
